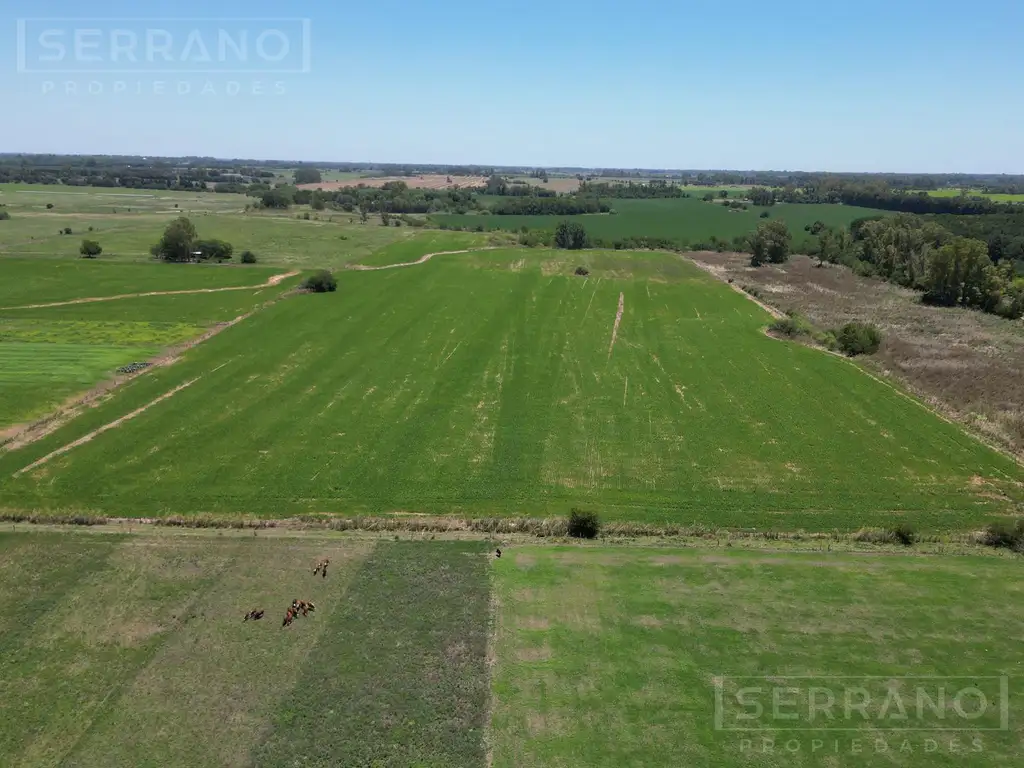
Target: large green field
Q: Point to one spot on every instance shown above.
(688, 219)
(130, 649)
(498, 383)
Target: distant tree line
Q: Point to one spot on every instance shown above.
(393, 197)
(565, 205)
(631, 190)
(919, 253)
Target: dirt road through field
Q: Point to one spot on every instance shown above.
(270, 283)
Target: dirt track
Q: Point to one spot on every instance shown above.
(426, 257)
(270, 283)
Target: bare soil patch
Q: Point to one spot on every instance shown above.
(967, 365)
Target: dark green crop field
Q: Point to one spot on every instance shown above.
(688, 219)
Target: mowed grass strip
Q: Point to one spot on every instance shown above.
(608, 657)
(208, 694)
(399, 676)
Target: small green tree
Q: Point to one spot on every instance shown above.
(858, 339)
(770, 244)
(178, 241)
(248, 257)
(90, 249)
(306, 175)
(214, 250)
(570, 235)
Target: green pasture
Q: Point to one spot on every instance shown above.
(488, 384)
(130, 649)
(277, 239)
(609, 657)
(409, 250)
(688, 219)
(49, 354)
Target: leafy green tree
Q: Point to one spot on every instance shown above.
(570, 235)
(770, 244)
(214, 250)
(280, 197)
(178, 241)
(248, 257)
(761, 196)
(317, 202)
(90, 249)
(306, 175)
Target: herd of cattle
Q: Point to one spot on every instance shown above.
(298, 606)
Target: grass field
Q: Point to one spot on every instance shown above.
(688, 219)
(608, 657)
(130, 649)
(50, 354)
(489, 383)
(104, 637)
(33, 281)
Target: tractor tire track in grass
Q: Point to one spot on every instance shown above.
(399, 676)
(618, 319)
(271, 282)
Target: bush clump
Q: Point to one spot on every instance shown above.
(1005, 536)
(583, 525)
(248, 257)
(321, 282)
(582, 271)
(792, 325)
(858, 339)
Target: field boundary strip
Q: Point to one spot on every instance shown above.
(271, 282)
(425, 258)
(111, 425)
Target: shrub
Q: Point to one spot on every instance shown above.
(67, 230)
(794, 324)
(1005, 536)
(903, 534)
(321, 282)
(570, 235)
(248, 257)
(764, 215)
(49, 206)
(858, 339)
(583, 525)
(4, 215)
(90, 249)
(582, 271)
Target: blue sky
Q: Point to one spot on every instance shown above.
(896, 85)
